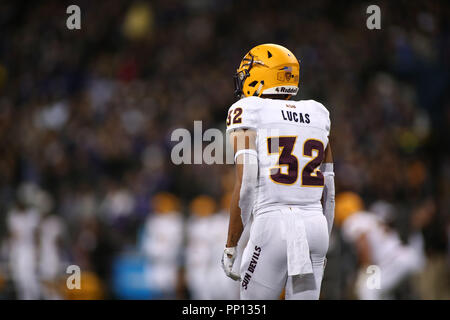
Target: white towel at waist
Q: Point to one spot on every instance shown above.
(294, 232)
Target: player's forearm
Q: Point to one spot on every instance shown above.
(363, 250)
(328, 201)
(235, 226)
(246, 178)
(327, 170)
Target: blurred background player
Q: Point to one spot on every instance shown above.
(162, 244)
(52, 234)
(200, 247)
(221, 287)
(206, 233)
(377, 243)
(23, 223)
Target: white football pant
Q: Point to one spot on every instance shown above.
(263, 269)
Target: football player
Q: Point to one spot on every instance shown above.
(198, 246)
(221, 288)
(163, 242)
(378, 244)
(22, 223)
(284, 180)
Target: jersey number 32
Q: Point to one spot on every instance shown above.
(310, 175)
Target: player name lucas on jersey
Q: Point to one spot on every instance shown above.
(295, 116)
(257, 113)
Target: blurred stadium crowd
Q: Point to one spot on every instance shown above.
(86, 117)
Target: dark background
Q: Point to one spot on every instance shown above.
(87, 113)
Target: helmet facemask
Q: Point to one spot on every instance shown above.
(240, 76)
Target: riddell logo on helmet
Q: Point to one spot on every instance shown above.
(286, 90)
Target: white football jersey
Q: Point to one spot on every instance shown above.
(385, 244)
(291, 141)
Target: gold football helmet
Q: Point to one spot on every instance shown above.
(267, 69)
(347, 204)
(165, 202)
(202, 206)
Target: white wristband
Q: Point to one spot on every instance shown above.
(327, 169)
(249, 151)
